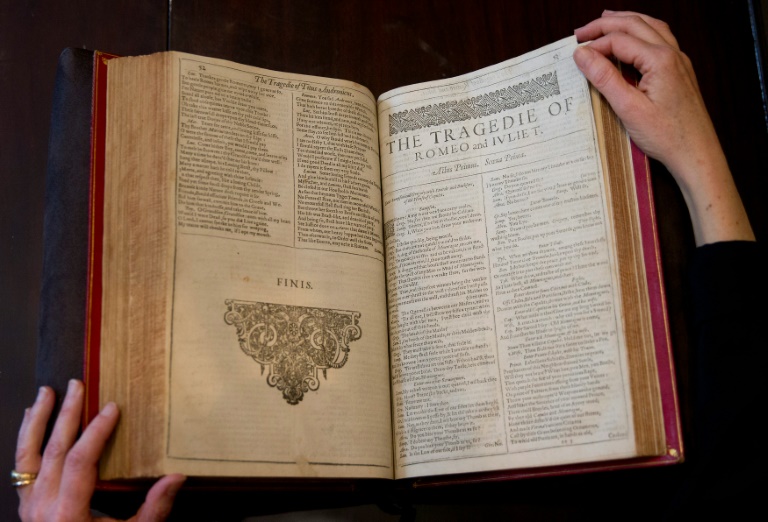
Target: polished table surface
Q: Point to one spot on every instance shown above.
(382, 45)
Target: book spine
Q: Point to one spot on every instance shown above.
(65, 237)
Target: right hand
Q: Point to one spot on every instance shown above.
(67, 469)
(665, 115)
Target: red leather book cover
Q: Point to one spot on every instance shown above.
(95, 236)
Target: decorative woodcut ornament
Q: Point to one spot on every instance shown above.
(294, 342)
(504, 99)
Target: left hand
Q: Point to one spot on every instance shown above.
(67, 470)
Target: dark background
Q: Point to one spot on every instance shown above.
(382, 45)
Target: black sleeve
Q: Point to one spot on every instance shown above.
(728, 287)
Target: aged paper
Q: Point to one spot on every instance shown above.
(278, 358)
(505, 332)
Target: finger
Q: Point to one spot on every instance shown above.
(655, 32)
(31, 436)
(607, 79)
(159, 501)
(32, 432)
(78, 477)
(629, 49)
(62, 437)
(660, 26)
(647, 58)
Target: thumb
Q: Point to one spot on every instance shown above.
(605, 77)
(159, 502)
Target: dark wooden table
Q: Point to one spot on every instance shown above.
(382, 45)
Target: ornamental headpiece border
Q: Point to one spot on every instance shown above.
(511, 97)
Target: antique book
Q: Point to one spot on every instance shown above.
(289, 278)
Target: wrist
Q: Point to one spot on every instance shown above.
(716, 210)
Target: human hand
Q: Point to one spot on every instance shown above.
(665, 115)
(67, 470)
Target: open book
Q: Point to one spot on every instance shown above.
(298, 280)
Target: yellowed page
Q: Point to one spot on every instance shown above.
(138, 239)
(278, 357)
(505, 320)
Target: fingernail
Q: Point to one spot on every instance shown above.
(608, 11)
(72, 385)
(174, 488)
(109, 409)
(582, 55)
(41, 393)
